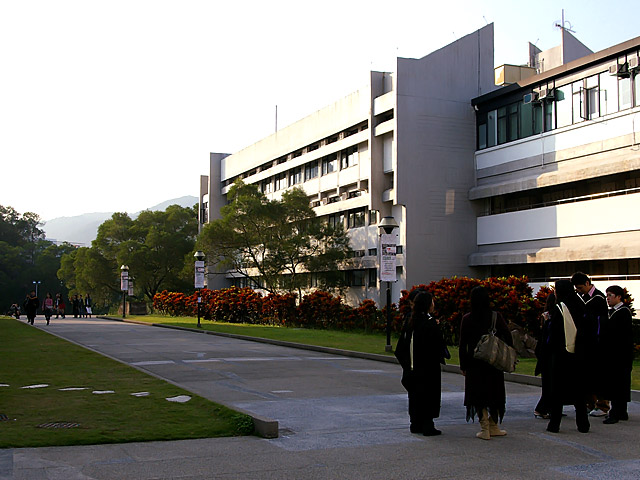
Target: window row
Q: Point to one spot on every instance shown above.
(557, 107)
(352, 278)
(324, 166)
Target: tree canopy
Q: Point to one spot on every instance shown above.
(274, 244)
(26, 257)
(155, 246)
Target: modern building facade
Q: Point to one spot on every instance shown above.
(539, 176)
(557, 169)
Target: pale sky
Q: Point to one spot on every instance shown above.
(115, 105)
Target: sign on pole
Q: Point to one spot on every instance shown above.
(130, 289)
(124, 281)
(388, 257)
(199, 279)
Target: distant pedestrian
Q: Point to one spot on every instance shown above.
(31, 306)
(75, 306)
(87, 305)
(617, 353)
(420, 352)
(543, 408)
(81, 307)
(484, 392)
(47, 307)
(569, 350)
(59, 305)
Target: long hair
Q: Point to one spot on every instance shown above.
(421, 305)
(480, 303)
(567, 295)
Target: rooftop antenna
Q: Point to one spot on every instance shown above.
(562, 25)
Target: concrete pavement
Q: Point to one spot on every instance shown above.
(339, 417)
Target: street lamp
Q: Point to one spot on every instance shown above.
(199, 279)
(388, 265)
(124, 286)
(36, 283)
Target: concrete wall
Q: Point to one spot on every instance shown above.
(435, 140)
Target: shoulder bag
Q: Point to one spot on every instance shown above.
(492, 350)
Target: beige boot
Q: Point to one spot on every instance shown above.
(494, 430)
(484, 425)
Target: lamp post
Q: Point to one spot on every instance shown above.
(199, 279)
(124, 286)
(388, 265)
(36, 283)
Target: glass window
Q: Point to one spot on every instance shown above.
(538, 117)
(267, 186)
(636, 88)
(624, 92)
(281, 181)
(579, 111)
(311, 170)
(373, 277)
(349, 157)
(329, 164)
(608, 93)
(502, 125)
(549, 118)
(356, 278)
(512, 114)
(492, 136)
(526, 119)
(563, 106)
(356, 218)
(295, 176)
(373, 217)
(482, 136)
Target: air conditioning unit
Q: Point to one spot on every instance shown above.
(633, 63)
(324, 201)
(546, 94)
(530, 98)
(344, 196)
(619, 69)
(315, 203)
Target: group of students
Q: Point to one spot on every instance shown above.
(585, 356)
(50, 306)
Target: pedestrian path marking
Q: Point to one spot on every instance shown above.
(577, 446)
(40, 385)
(153, 362)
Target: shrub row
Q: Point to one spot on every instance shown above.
(511, 296)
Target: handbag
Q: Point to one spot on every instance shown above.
(492, 350)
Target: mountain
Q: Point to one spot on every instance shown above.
(82, 229)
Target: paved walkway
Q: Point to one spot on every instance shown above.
(339, 417)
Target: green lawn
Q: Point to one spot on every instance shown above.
(29, 356)
(358, 342)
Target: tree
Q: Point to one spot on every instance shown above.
(25, 257)
(274, 243)
(154, 246)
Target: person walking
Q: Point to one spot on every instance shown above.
(484, 392)
(569, 343)
(75, 306)
(543, 355)
(420, 351)
(596, 314)
(47, 307)
(31, 306)
(59, 305)
(617, 353)
(87, 305)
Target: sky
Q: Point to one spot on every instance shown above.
(115, 105)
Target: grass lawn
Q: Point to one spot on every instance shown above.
(359, 342)
(30, 357)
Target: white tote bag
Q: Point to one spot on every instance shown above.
(570, 329)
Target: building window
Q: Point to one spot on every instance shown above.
(349, 157)
(373, 252)
(373, 217)
(399, 250)
(563, 106)
(335, 220)
(266, 186)
(295, 176)
(329, 164)
(355, 218)
(311, 170)
(355, 278)
(608, 93)
(624, 93)
(373, 277)
(492, 136)
(281, 181)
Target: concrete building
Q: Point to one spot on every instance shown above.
(522, 178)
(557, 170)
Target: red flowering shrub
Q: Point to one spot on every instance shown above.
(279, 309)
(320, 310)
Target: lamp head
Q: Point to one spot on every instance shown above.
(388, 224)
(199, 255)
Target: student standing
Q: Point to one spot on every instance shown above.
(47, 307)
(31, 305)
(617, 351)
(420, 352)
(484, 392)
(596, 314)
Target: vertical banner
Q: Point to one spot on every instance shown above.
(124, 281)
(130, 288)
(199, 279)
(388, 257)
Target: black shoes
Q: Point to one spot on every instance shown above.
(415, 429)
(553, 428)
(432, 432)
(615, 418)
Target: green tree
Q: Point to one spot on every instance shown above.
(154, 247)
(274, 243)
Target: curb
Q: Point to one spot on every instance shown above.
(509, 377)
